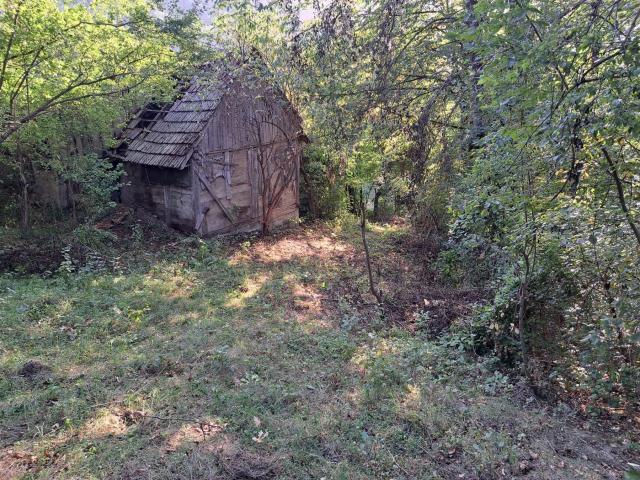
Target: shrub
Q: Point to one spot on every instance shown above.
(322, 190)
(89, 236)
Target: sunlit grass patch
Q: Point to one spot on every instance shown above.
(192, 363)
(250, 288)
(106, 423)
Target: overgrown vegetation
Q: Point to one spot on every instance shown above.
(261, 359)
(492, 151)
(509, 132)
(70, 75)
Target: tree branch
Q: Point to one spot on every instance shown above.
(613, 171)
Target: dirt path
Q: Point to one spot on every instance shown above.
(268, 359)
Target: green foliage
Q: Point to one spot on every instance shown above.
(633, 474)
(71, 74)
(64, 55)
(189, 340)
(364, 163)
(92, 237)
(383, 379)
(67, 265)
(98, 179)
(548, 185)
(511, 129)
(322, 186)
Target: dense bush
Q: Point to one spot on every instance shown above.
(322, 189)
(96, 180)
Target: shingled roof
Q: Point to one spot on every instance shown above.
(163, 135)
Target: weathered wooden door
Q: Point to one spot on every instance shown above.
(212, 175)
(230, 185)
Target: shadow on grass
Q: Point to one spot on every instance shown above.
(238, 361)
(147, 372)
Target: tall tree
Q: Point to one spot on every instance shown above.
(71, 72)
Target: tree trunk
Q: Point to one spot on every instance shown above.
(72, 200)
(376, 205)
(311, 195)
(475, 65)
(25, 207)
(265, 214)
(522, 310)
(25, 210)
(353, 201)
(606, 285)
(363, 227)
(522, 314)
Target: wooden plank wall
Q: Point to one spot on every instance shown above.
(231, 132)
(171, 200)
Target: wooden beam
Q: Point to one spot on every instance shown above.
(238, 226)
(251, 178)
(209, 188)
(227, 174)
(167, 204)
(198, 216)
(200, 220)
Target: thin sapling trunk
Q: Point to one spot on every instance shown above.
(363, 226)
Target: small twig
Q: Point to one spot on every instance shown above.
(395, 462)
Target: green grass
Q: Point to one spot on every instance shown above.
(253, 361)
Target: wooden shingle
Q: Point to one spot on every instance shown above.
(164, 137)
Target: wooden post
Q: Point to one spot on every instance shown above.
(198, 217)
(227, 174)
(167, 206)
(252, 175)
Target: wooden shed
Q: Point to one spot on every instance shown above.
(224, 157)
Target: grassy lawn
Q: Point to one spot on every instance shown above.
(261, 359)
